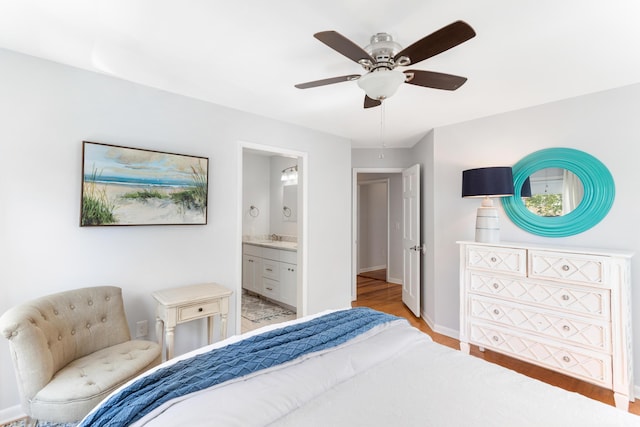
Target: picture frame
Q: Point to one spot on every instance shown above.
(134, 186)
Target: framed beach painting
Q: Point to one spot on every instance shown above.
(132, 186)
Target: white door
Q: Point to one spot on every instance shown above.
(411, 246)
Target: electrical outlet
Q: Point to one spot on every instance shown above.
(142, 329)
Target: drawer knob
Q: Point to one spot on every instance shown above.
(496, 311)
(565, 297)
(269, 269)
(496, 286)
(269, 289)
(200, 310)
(495, 338)
(566, 359)
(565, 267)
(493, 259)
(566, 328)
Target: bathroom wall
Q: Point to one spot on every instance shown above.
(263, 188)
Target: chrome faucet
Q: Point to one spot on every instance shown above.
(275, 237)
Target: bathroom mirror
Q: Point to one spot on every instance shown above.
(290, 203)
(589, 187)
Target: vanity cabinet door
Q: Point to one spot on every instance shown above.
(288, 283)
(252, 273)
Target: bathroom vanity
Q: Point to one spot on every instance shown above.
(270, 269)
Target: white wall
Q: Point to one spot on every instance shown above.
(255, 192)
(47, 111)
(604, 125)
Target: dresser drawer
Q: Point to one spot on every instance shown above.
(589, 366)
(575, 299)
(561, 266)
(508, 260)
(198, 310)
(271, 288)
(571, 329)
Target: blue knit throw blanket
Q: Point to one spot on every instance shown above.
(235, 360)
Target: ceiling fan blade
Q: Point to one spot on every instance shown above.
(434, 80)
(343, 45)
(370, 102)
(437, 42)
(330, 81)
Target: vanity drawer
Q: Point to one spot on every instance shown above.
(589, 366)
(289, 256)
(251, 250)
(270, 269)
(577, 330)
(271, 288)
(575, 299)
(198, 310)
(561, 266)
(270, 253)
(507, 260)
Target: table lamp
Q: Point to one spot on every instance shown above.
(487, 183)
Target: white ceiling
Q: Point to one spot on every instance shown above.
(248, 54)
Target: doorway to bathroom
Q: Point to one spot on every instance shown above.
(272, 236)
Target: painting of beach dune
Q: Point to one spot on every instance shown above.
(131, 186)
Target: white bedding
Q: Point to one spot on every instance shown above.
(394, 375)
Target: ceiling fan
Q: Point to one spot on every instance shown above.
(383, 55)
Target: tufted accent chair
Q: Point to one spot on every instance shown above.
(71, 349)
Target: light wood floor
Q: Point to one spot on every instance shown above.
(387, 297)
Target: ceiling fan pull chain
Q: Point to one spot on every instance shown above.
(382, 109)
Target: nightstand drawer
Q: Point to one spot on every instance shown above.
(560, 266)
(198, 310)
(590, 366)
(574, 299)
(571, 329)
(506, 260)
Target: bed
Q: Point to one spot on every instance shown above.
(343, 368)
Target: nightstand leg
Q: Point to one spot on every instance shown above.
(210, 329)
(464, 347)
(170, 337)
(223, 325)
(160, 331)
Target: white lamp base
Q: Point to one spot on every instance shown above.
(487, 225)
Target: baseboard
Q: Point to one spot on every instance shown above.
(394, 280)
(10, 414)
(368, 269)
(451, 333)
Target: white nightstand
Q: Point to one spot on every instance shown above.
(187, 303)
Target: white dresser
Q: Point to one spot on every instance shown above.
(565, 309)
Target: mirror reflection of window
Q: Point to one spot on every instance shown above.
(554, 192)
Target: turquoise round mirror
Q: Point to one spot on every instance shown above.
(582, 193)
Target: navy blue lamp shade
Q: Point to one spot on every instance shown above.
(525, 191)
(489, 182)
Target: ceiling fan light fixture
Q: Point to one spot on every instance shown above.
(381, 84)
